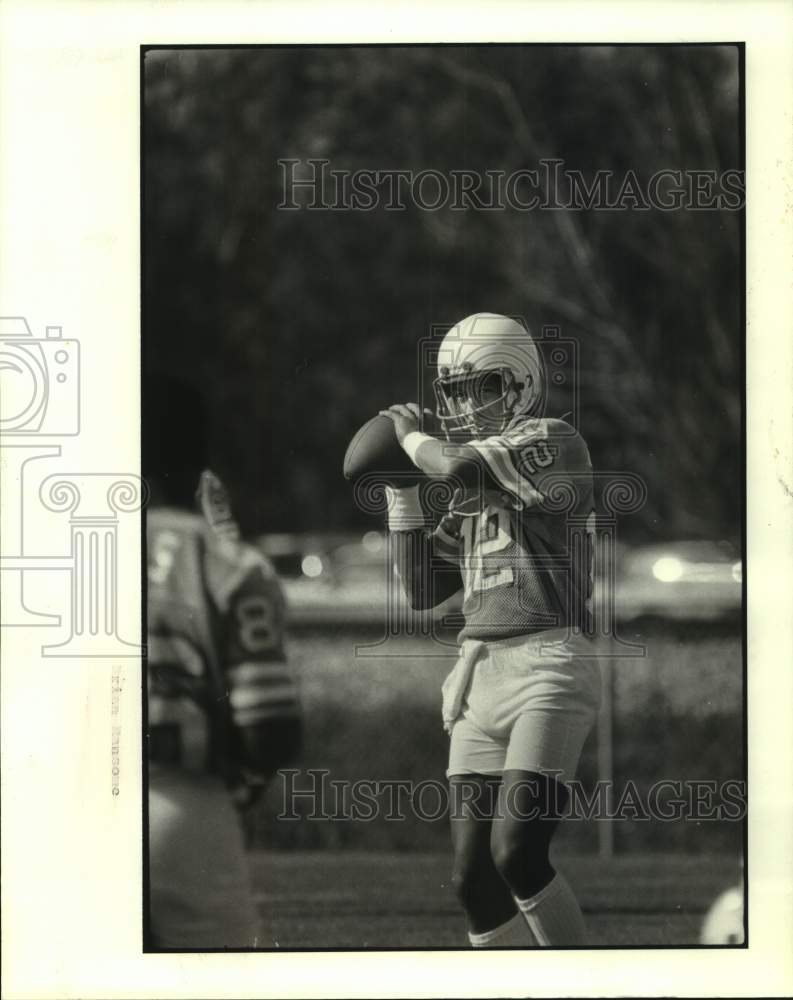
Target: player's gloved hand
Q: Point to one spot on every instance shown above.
(406, 418)
(213, 501)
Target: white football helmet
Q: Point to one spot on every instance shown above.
(489, 373)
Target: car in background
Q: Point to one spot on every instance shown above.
(683, 581)
(348, 579)
(341, 579)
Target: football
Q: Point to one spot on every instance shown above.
(376, 450)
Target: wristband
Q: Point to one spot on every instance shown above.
(413, 441)
(404, 508)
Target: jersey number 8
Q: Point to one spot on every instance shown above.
(259, 629)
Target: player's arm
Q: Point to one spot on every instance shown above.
(435, 457)
(496, 463)
(427, 562)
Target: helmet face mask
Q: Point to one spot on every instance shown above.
(476, 403)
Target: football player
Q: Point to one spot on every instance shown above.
(223, 712)
(525, 691)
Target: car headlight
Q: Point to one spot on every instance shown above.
(312, 566)
(667, 569)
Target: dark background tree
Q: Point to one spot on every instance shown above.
(298, 325)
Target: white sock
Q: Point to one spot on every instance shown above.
(553, 915)
(513, 934)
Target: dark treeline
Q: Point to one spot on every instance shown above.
(298, 325)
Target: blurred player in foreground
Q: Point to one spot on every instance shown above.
(724, 921)
(525, 691)
(223, 713)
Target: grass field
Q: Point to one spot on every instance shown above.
(374, 714)
(354, 899)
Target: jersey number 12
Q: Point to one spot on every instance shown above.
(484, 536)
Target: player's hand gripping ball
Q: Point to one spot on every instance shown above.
(406, 417)
(376, 448)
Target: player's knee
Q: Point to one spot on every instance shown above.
(508, 857)
(463, 879)
(523, 865)
(469, 883)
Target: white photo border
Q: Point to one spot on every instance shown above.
(70, 205)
